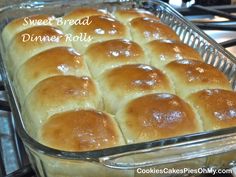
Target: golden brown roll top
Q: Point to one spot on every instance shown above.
(81, 130)
(157, 116)
(51, 62)
(131, 81)
(20, 24)
(191, 75)
(126, 15)
(145, 29)
(112, 53)
(217, 108)
(165, 51)
(82, 12)
(57, 94)
(31, 42)
(101, 28)
(78, 14)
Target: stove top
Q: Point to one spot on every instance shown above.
(219, 22)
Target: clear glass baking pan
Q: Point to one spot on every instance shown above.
(208, 149)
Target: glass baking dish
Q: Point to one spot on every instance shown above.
(215, 149)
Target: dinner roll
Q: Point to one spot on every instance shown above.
(20, 24)
(31, 42)
(57, 94)
(145, 29)
(131, 81)
(126, 15)
(78, 14)
(165, 51)
(101, 28)
(112, 53)
(51, 62)
(157, 116)
(216, 107)
(81, 130)
(191, 75)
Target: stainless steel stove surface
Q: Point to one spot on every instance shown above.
(12, 154)
(215, 24)
(219, 36)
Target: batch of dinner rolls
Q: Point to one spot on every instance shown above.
(94, 79)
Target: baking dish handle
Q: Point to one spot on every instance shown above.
(169, 154)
